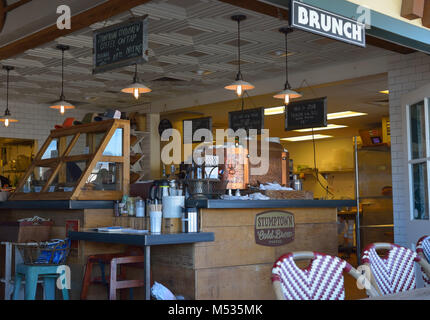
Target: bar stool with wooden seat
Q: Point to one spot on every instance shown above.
(423, 250)
(395, 271)
(321, 280)
(117, 277)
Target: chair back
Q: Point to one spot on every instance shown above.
(423, 249)
(393, 273)
(321, 280)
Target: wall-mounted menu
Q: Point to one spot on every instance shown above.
(121, 45)
(198, 123)
(306, 114)
(247, 119)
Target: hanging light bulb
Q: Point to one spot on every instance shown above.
(239, 91)
(7, 118)
(136, 88)
(288, 93)
(239, 85)
(62, 104)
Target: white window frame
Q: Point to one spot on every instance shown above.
(426, 159)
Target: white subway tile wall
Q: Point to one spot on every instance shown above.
(35, 121)
(406, 73)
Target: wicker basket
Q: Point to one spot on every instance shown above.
(206, 187)
(53, 252)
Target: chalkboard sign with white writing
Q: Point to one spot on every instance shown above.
(247, 119)
(306, 114)
(198, 123)
(121, 45)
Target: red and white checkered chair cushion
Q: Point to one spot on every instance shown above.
(321, 280)
(423, 246)
(395, 272)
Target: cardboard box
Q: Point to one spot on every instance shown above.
(26, 231)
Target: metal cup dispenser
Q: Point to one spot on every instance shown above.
(190, 220)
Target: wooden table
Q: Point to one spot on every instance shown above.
(417, 294)
(146, 241)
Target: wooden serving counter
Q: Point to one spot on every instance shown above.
(234, 266)
(84, 214)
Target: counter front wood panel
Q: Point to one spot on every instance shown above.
(88, 218)
(234, 266)
(231, 267)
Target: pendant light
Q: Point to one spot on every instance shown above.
(7, 119)
(239, 85)
(136, 88)
(62, 104)
(288, 93)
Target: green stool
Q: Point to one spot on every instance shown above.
(49, 273)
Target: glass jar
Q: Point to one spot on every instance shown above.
(140, 208)
(131, 206)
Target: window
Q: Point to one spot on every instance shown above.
(419, 159)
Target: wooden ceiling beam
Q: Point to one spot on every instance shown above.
(260, 7)
(273, 11)
(80, 21)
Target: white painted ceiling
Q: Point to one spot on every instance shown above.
(185, 36)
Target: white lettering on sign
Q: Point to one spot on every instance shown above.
(322, 22)
(356, 33)
(314, 20)
(303, 15)
(325, 23)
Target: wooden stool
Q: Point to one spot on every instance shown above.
(116, 279)
(116, 284)
(49, 274)
(102, 260)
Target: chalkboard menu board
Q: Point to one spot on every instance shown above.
(306, 114)
(247, 119)
(199, 123)
(121, 45)
(164, 124)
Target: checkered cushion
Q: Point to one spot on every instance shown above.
(423, 245)
(395, 272)
(321, 280)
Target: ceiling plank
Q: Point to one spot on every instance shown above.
(80, 21)
(260, 7)
(273, 11)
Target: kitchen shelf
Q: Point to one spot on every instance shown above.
(312, 172)
(138, 147)
(337, 171)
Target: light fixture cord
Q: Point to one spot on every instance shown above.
(287, 84)
(135, 74)
(7, 91)
(239, 75)
(238, 42)
(62, 74)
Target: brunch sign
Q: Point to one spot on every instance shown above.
(274, 228)
(321, 22)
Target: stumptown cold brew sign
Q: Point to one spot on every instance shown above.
(315, 20)
(274, 228)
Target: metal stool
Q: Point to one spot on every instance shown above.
(49, 274)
